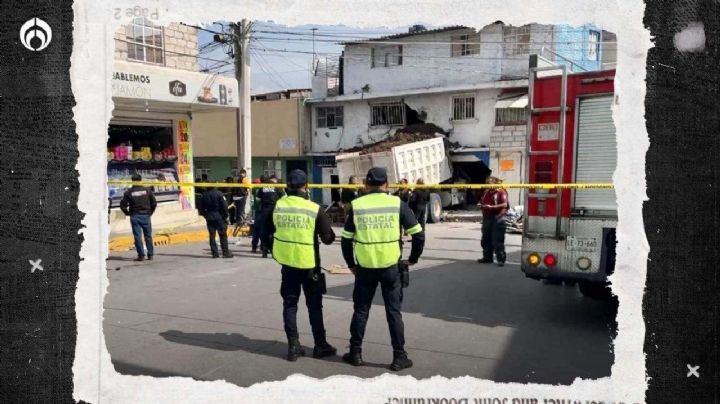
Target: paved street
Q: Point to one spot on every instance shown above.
(185, 314)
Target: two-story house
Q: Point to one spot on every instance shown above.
(161, 102)
(279, 126)
(470, 83)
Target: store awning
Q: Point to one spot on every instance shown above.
(519, 101)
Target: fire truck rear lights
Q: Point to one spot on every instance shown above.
(584, 263)
(550, 260)
(533, 259)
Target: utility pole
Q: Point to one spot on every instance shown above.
(241, 50)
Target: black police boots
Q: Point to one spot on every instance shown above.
(354, 357)
(295, 350)
(400, 361)
(227, 255)
(323, 350)
(501, 259)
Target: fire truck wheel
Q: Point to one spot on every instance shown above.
(434, 209)
(593, 290)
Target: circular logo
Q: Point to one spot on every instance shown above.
(35, 34)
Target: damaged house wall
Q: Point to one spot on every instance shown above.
(435, 108)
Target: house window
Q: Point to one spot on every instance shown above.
(510, 116)
(145, 41)
(593, 46)
(389, 113)
(463, 45)
(386, 56)
(329, 117)
(202, 167)
(463, 107)
(272, 167)
(516, 40)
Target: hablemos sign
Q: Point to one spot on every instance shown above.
(146, 82)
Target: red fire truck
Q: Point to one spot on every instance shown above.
(569, 234)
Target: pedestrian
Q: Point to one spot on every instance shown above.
(371, 247)
(139, 203)
(347, 195)
(198, 195)
(293, 234)
(239, 197)
(419, 199)
(215, 212)
(256, 213)
(494, 206)
(227, 193)
(268, 196)
(403, 193)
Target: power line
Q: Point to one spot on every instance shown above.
(270, 75)
(272, 69)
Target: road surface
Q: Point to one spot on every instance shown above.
(185, 314)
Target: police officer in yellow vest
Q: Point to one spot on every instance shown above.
(295, 227)
(374, 228)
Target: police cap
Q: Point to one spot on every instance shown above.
(297, 179)
(377, 176)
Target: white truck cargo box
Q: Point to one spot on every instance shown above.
(425, 159)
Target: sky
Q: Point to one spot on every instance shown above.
(281, 56)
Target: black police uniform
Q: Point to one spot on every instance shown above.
(367, 280)
(215, 210)
(268, 196)
(294, 279)
(139, 203)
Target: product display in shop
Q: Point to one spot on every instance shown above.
(116, 192)
(146, 150)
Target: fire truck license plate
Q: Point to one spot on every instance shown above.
(589, 244)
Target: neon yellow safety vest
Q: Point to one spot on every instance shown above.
(294, 240)
(377, 230)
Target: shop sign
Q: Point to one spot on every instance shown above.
(184, 168)
(147, 82)
(177, 88)
(288, 144)
(548, 131)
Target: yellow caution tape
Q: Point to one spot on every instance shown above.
(358, 186)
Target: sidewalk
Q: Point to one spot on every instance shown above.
(197, 232)
(188, 233)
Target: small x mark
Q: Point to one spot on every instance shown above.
(36, 265)
(693, 371)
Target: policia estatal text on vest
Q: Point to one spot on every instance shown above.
(371, 246)
(293, 231)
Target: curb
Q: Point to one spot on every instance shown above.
(126, 243)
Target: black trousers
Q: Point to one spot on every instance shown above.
(493, 238)
(421, 216)
(366, 282)
(264, 230)
(239, 211)
(292, 281)
(216, 224)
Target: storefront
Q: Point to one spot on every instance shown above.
(150, 132)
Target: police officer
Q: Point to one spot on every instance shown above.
(374, 228)
(215, 210)
(268, 196)
(295, 227)
(139, 203)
